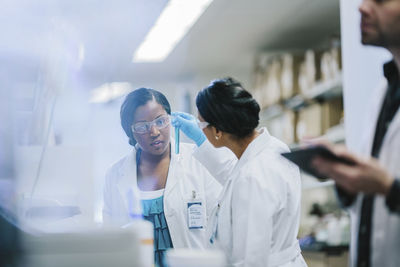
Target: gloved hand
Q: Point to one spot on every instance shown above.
(188, 124)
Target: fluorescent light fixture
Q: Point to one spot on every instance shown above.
(109, 91)
(174, 22)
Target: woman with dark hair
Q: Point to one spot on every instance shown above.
(256, 220)
(168, 184)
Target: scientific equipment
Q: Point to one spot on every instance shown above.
(184, 257)
(128, 246)
(115, 247)
(146, 232)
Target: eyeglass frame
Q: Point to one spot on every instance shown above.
(149, 124)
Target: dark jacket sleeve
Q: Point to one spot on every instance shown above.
(393, 198)
(345, 199)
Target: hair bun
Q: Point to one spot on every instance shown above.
(226, 105)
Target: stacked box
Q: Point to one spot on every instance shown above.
(330, 64)
(309, 71)
(271, 85)
(282, 127)
(290, 75)
(332, 113)
(309, 123)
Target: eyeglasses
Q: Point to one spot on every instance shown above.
(202, 124)
(145, 126)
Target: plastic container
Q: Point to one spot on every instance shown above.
(195, 258)
(144, 231)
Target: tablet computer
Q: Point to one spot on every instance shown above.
(304, 156)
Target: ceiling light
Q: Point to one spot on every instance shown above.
(174, 22)
(109, 91)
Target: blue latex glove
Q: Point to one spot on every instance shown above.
(188, 125)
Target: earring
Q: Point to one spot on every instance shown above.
(217, 137)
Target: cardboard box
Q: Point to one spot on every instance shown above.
(332, 113)
(309, 122)
(330, 64)
(309, 70)
(272, 84)
(283, 127)
(290, 74)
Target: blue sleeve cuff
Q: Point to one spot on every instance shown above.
(393, 198)
(200, 140)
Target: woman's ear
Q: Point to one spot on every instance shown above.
(216, 133)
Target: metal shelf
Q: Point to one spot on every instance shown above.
(271, 112)
(326, 90)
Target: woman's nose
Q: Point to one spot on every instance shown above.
(154, 131)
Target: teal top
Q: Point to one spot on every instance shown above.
(153, 211)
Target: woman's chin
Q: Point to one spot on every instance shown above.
(158, 150)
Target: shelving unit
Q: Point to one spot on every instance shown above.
(322, 91)
(326, 90)
(324, 97)
(271, 112)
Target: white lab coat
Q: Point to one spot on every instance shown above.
(185, 175)
(257, 220)
(385, 236)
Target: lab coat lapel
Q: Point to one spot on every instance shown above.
(128, 177)
(173, 174)
(393, 129)
(129, 174)
(376, 105)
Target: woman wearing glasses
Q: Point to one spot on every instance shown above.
(256, 220)
(172, 187)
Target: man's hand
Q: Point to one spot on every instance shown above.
(366, 175)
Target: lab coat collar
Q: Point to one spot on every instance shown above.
(128, 178)
(393, 130)
(129, 173)
(255, 147)
(172, 178)
(369, 128)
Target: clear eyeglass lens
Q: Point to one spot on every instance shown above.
(202, 124)
(162, 122)
(144, 127)
(140, 128)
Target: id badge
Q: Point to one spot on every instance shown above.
(195, 211)
(195, 214)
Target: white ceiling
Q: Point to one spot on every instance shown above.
(224, 39)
